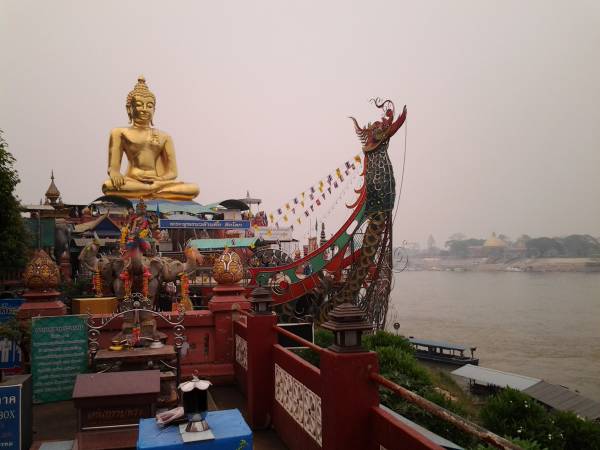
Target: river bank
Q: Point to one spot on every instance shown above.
(539, 265)
(542, 325)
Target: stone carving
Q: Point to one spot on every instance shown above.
(241, 351)
(41, 273)
(299, 402)
(228, 268)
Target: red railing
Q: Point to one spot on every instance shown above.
(297, 384)
(240, 331)
(342, 384)
(298, 339)
(447, 416)
(344, 411)
(389, 432)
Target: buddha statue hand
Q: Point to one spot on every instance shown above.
(117, 179)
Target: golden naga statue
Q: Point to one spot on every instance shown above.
(152, 171)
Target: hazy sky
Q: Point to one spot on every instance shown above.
(503, 100)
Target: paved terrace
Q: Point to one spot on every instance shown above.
(58, 421)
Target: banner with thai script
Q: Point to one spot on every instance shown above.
(204, 224)
(59, 351)
(10, 423)
(273, 234)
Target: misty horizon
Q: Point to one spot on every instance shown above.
(502, 132)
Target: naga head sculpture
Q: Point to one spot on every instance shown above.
(378, 132)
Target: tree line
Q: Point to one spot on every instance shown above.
(572, 246)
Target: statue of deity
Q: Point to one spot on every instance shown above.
(152, 171)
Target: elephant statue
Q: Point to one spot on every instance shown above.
(172, 268)
(111, 268)
(136, 264)
(62, 238)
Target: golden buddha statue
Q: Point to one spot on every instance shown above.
(152, 170)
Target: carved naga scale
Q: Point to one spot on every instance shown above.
(375, 252)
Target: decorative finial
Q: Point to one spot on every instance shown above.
(52, 174)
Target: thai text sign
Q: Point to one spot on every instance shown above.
(10, 353)
(274, 234)
(10, 423)
(205, 224)
(59, 351)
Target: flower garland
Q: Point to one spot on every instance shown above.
(136, 333)
(127, 280)
(123, 240)
(147, 276)
(185, 292)
(97, 281)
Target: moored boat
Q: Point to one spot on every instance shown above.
(443, 352)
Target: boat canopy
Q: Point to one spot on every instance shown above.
(439, 344)
(493, 377)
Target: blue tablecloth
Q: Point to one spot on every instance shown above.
(229, 427)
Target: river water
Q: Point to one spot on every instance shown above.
(543, 325)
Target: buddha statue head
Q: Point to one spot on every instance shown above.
(140, 103)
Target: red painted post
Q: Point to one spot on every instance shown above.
(348, 394)
(226, 302)
(347, 398)
(261, 337)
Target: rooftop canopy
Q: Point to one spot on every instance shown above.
(493, 377)
(562, 399)
(169, 207)
(235, 204)
(219, 244)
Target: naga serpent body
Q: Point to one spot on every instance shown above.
(380, 188)
(368, 284)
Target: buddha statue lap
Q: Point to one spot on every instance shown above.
(152, 171)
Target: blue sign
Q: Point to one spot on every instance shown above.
(10, 423)
(9, 307)
(205, 224)
(10, 353)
